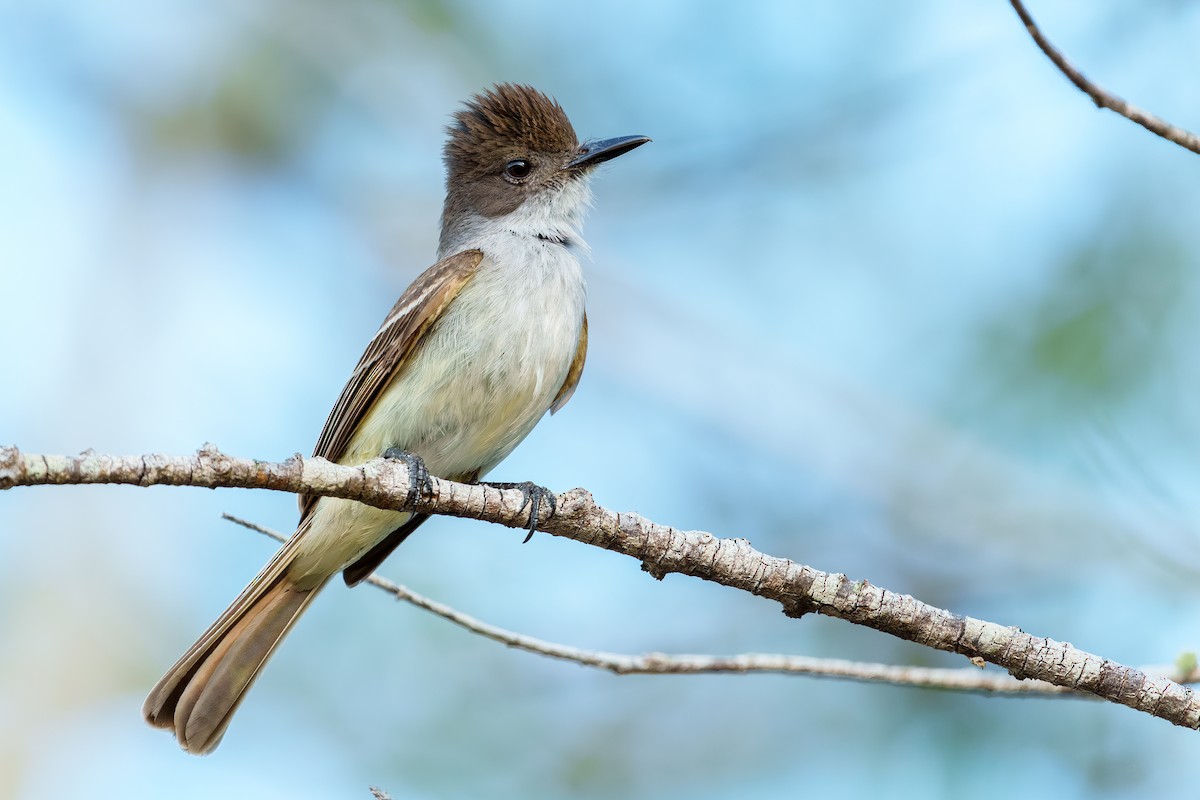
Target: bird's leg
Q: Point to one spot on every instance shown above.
(419, 483)
(531, 495)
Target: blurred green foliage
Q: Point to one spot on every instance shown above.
(1096, 331)
(258, 109)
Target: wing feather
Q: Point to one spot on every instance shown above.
(417, 310)
(574, 373)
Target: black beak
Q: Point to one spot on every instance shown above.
(593, 153)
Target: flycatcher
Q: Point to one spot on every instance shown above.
(474, 353)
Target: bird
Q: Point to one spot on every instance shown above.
(474, 353)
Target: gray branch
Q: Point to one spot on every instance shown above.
(1101, 96)
(964, 679)
(799, 589)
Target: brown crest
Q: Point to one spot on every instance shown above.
(508, 119)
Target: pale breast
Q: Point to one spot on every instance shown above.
(490, 368)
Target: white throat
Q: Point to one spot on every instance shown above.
(550, 217)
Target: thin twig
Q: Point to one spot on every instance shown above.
(1102, 97)
(661, 549)
(969, 679)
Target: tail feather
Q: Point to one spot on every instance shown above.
(197, 696)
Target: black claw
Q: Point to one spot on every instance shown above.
(531, 495)
(419, 482)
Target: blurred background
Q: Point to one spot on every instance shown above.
(886, 296)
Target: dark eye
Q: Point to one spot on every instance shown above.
(517, 169)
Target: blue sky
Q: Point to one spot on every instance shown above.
(886, 296)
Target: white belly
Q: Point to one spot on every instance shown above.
(488, 371)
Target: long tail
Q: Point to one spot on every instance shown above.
(197, 696)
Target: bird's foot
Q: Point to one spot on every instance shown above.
(419, 482)
(532, 495)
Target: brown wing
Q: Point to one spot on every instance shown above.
(409, 320)
(574, 373)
